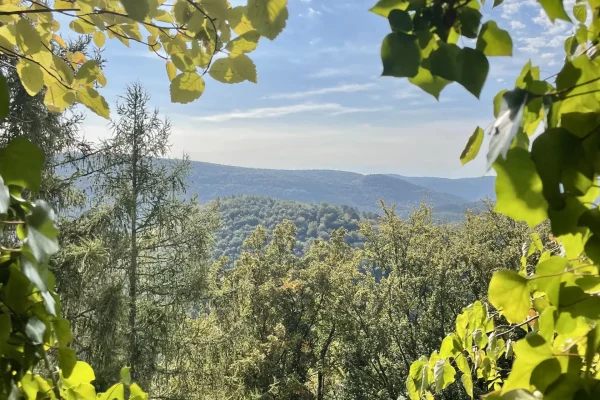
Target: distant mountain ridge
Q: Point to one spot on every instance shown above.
(211, 181)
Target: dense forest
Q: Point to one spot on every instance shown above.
(118, 282)
(241, 215)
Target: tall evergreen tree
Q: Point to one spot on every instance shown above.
(146, 241)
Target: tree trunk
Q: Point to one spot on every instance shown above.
(321, 375)
(133, 348)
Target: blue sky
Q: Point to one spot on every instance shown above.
(320, 102)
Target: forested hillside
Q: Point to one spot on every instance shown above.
(472, 189)
(362, 192)
(241, 215)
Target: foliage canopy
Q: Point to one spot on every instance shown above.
(555, 178)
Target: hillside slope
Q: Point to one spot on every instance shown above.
(211, 181)
(472, 189)
(240, 215)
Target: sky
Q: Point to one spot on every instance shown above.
(321, 102)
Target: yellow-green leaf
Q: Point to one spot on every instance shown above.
(186, 87)
(99, 38)
(81, 27)
(234, 69)
(244, 43)
(493, 41)
(383, 7)
(82, 373)
(31, 76)
(473, 145)
(90, 98)
(268, 16)
(28, 39)
(509, 293)
(519, 188)
(216, 8)
(136, 9)
(171, 70)
(238, 20)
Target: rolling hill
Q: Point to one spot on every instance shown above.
(211, 181)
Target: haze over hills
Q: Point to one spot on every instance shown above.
(472, 189)
(211, 181)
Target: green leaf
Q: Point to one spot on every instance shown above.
(401, 55)
(126, 376)
(550, 285)
(186, 87)
(268, 17)
(136, 9)
(4, 97)
(451, 346)
(519, 188)
(467, 382)
(530, 352)
(496, 4)
(42, 234)
(67, 360)
(443, 61)
(384, 7)
(62, 330)
(34, 275)
(473, 145)
(400, 21)
(580, 12)
(469, 19)
(429, 83)
(35, 330)
(234, 69)
(473, 68)
(493, 41)
(555, 9)
(561, 162)
(21, 164)
(443, 374)
(509, 293)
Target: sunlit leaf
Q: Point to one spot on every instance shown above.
(186, 87)
(493, 41)
(509, 293)
(90, 98)
(555, 9)
(234, 69)
(473, 145)
(268, 17)
(31, 76)
(519, 188)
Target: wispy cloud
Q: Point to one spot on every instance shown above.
(329, 72)
(351, 88)
(272, 112)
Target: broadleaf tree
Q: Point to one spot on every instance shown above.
(546, 319)
(190, 36)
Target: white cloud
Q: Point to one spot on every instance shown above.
(548, 55)
(317, 92)
(500, 80)
(312, 12)
(406, 94)
(306, 1)
(272, 112)
(511, 7)
(517, 24)
(329, 72)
